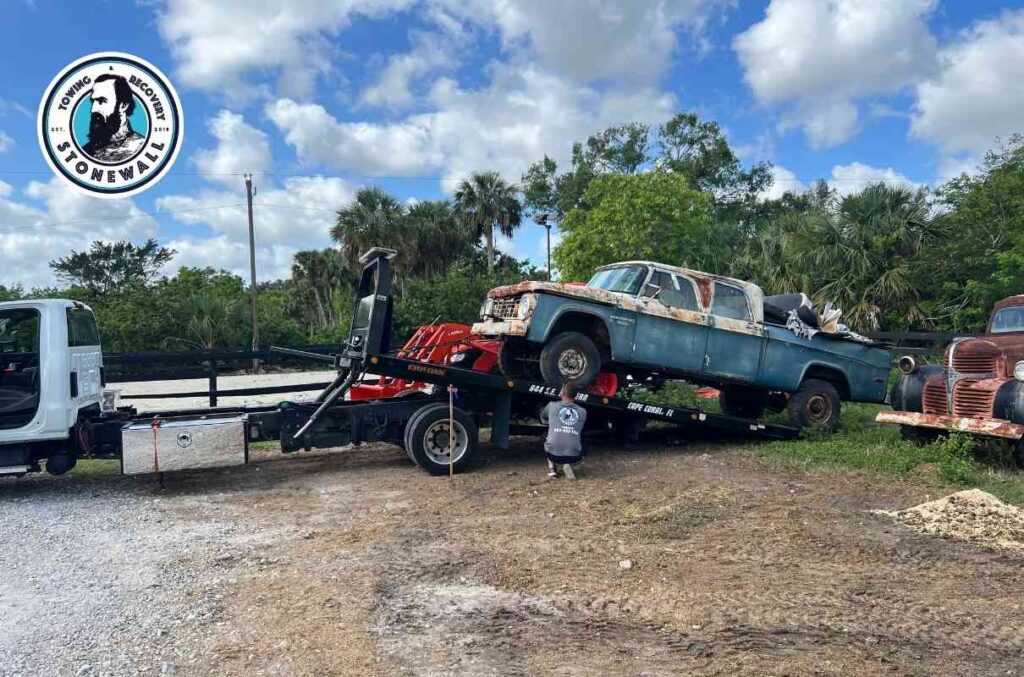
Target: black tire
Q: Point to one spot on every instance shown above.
(743, 404)
(919, 436)
(570, 357)
(815, 405)
(427, 435)
(409, 424)
(58, 464)
(1018, 455)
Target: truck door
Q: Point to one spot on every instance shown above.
(19, 367)
(735, 341)
(671, 331)
(85, 381)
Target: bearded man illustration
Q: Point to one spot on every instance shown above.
(111, 137)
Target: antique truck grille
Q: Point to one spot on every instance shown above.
(973, 399)
(506, 309)
(974, 359)
(934, 396)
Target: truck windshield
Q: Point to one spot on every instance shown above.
(1008, 319)
(19, 367)
(626, 279)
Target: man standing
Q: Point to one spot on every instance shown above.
(565, 427)
(111, 137)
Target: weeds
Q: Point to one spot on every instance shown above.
(960, 460)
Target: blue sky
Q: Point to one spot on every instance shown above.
(319, 97)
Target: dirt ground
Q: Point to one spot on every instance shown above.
(698, 560)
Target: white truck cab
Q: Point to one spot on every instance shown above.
(51, 373)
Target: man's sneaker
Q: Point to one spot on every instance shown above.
(567, 471)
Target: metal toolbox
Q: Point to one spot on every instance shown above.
(163, 445)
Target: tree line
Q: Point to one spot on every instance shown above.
(893, 257)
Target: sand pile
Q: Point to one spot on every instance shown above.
(972, 515)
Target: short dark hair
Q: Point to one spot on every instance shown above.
(569, 389)
(121, 90)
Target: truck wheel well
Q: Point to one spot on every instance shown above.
(833, 376)
(587, 324)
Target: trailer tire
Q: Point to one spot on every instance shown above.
(815, 405)
(570, 356)
(427, 435)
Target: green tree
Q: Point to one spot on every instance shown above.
(436, 237)
(372, 219)
(644, 216)
(620, 149)
(485, 202)
(12, 293)
(111, 265)
(983, 259)
(321, 286)
(861, 251)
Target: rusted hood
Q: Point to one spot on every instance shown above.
(573, 291)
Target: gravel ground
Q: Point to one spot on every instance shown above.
(662, 561)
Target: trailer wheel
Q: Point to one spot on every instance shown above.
(570, 357)
(428, 436)
(815, 405)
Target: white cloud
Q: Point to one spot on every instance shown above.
(522, 114)
(299, 213)
(433, 52)
(32, 235)
(240, 148)
(783, 181)
(856, 176)
(273, 262)
(818, 57)
(591, 39)
(217, 43)
(978, 95)
(6, 142)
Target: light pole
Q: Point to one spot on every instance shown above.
(542, 220)
(249, 192)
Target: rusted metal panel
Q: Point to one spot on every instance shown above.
(501, 328)
(986, 427)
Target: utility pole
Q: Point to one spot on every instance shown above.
(542, 220)
(249, 191)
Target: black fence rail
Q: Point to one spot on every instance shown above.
(924, 343)
(209, 365)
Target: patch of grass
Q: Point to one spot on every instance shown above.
(960, 460)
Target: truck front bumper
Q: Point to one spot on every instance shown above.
(501, 328)
(986, 427)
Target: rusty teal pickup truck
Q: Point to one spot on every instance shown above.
(643, 319)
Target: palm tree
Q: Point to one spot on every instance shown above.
(862, 252)
(438, 237)
(321, 274)
(372, 219)
(485, 201)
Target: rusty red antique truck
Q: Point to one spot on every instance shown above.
(978, 389)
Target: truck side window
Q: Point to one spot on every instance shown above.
(687, 293)
(730, 302)
(82, 328)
